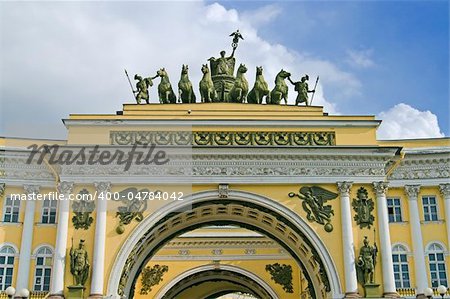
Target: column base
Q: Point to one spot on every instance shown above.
(95, 296)
(391, 295)
(55, 296)
(352, 295)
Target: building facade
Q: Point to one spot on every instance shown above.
(264, 200)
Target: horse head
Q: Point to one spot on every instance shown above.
(259, 70)
(184, 69)
(283, 74)
(162, 73)
(242, 68)
(205, 69)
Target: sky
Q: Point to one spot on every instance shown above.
(383, 58)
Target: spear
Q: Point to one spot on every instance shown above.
(131, 85)
(312, 97)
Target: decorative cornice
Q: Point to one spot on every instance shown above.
(423, 167)
(344, 188)
(445, 191)
(65, 187)
(102, 187)
(230, 138)
(380, 188)
(412, 191)
(2, 189)
(31, 189)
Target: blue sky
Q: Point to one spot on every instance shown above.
(383, 58)
(408, 42)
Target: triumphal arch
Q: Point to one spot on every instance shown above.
(223, 191)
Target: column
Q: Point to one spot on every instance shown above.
(59, 258)
(351, 282)
(389, 289)
(445, 191)
(98, 263)
(412, 191)
(27, 239)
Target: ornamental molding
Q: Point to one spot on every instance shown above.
(412, 191)
(423, 167)
(2, 189)
(445, 190)
(31, 189)
(228, 244)
(344, 188)
(65, 187)
(380, 188)
(224, 138)
(102, 187)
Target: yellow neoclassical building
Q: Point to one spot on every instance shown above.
(224, 200)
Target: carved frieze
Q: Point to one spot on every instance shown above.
(200, 139)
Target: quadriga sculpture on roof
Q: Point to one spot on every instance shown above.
(220, 84)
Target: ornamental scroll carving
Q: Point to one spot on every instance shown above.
(363, 207)
(188, 138)
(282, 275)
(152, 276)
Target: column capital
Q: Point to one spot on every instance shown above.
(380, 188)
(344, 187)
(445, 190)
(31, 189)
(102, 186)
(65, 187)
(2, 189)
(412, 191)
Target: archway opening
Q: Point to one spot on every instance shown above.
(241, 211)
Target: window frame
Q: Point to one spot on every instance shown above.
(428, 206)
(48, 210)
(43, 269)
(395, 215)
(431, 250)
(6, 266)
(12, 206)
(400, 250)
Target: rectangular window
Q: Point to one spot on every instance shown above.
(429, 208)
(49, 211)
(394, 210)
(11, 210)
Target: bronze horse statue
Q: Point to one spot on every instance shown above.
(260, 89)
(185, 90)
(239, 91)
(280, 91)
(165, 91)
(208, 93)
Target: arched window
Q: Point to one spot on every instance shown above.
(437, 265)
(7, 254)
(43, 272)
(401, 268)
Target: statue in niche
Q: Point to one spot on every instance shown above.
(366, 262)
(313, 202)
(363, 206)
(79, 264)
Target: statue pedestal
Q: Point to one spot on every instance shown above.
(371, 290)
(76, 292)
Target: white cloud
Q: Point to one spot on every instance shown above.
(403, 121)
(68, 57)
(360, 58)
